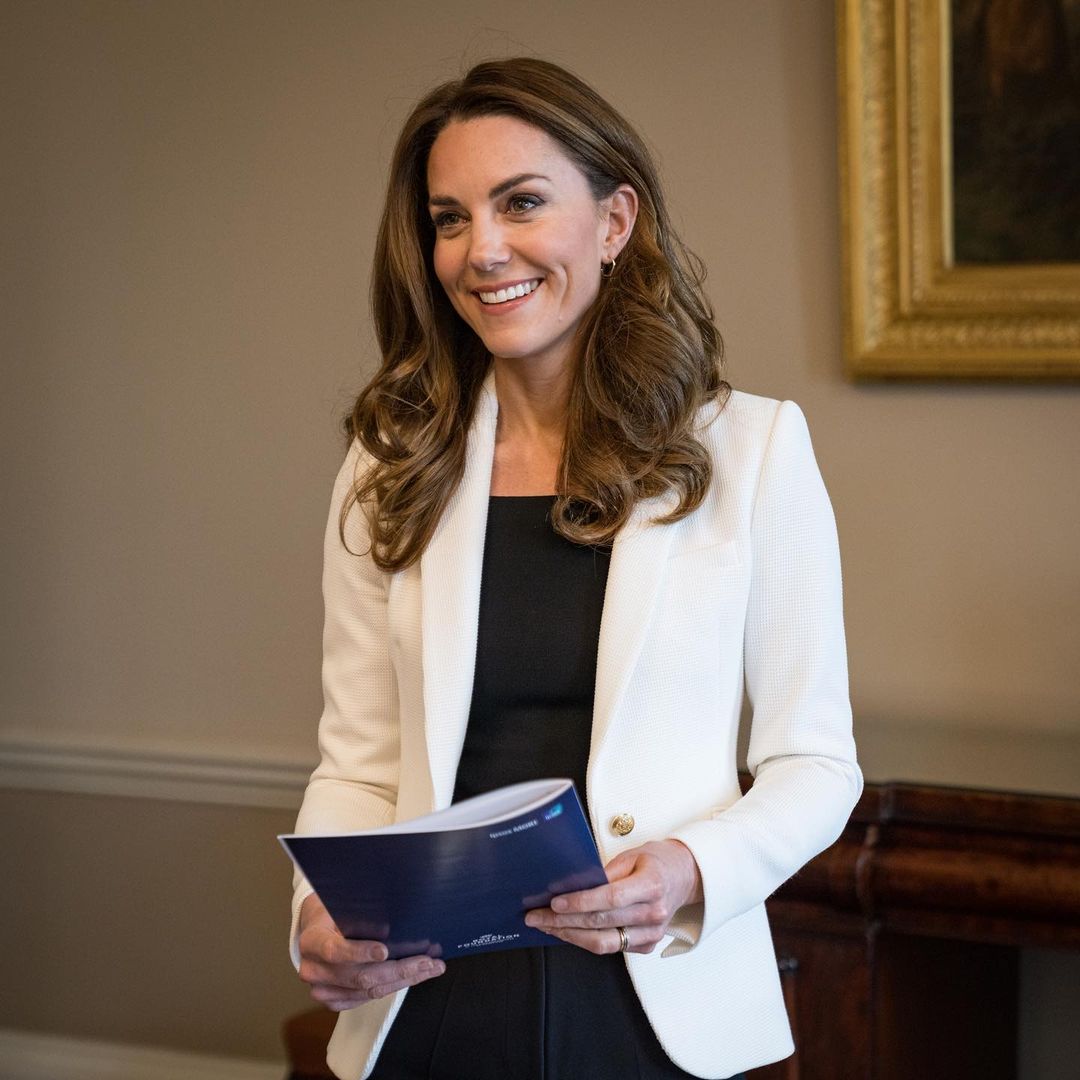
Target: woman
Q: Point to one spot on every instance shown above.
(556, 547)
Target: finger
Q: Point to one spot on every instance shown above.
(340, 998)
(641, 939)
(327, 946)
(350, 978)
(547, 920)
(600, 942)
(401, 984)
(313, 909)
(623, 865)
(407, 971)
(372, 981)
(639, 887)
(341, 950)
(334, 997)
(602, 898)
(315, 919)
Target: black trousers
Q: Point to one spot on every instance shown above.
(555, 1013)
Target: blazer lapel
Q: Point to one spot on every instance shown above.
(449, 603)
(638, 556)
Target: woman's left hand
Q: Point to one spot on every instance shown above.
(646, 886)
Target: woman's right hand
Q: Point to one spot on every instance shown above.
(343, 973)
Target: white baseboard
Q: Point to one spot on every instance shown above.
(29, 1056)
(54, 765)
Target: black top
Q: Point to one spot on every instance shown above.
(555, 1013)
(541, 598)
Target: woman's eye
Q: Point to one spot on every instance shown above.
(448, 219)
(520, 204)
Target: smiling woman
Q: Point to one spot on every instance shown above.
(519, 244)
(522, 174)
(559, 546)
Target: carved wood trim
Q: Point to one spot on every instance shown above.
(996, 867)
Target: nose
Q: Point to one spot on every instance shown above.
(488, 248)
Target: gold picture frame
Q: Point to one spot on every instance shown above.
(910, 310)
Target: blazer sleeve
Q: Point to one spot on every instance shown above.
(801, 753)
(355, 783)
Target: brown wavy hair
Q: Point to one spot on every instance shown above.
(649, 353)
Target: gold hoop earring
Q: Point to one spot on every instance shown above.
(607, 269)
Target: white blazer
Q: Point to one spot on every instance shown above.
(747, 587)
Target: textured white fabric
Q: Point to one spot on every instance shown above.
(749, 584)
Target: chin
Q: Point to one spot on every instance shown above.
(509, 350)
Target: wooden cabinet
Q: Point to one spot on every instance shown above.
(899, 945)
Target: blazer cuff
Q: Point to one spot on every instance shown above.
(685, 929)
(300, 894)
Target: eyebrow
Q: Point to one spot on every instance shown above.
(498, 190)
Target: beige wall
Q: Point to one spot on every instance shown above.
(190, 190)
(194, 188)
(144, 921)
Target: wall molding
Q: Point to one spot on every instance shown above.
(1033, 761)
(28, 1055)
(152, 773)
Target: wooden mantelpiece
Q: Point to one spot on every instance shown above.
(899, 944)
(948, 862)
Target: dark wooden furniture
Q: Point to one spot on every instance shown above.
(305, 1036)
(901, 941)
(899, 945)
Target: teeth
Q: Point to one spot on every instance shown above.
(511, 293)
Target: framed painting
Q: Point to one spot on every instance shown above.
(960, 187)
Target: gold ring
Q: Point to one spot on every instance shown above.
(624, 938)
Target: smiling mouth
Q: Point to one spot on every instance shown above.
(512, 292)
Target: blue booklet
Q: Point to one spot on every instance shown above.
(458, 881)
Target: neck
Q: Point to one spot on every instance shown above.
(531, 428)
(532, 404)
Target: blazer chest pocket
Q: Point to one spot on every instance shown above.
(716, 555)
(702, 580)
